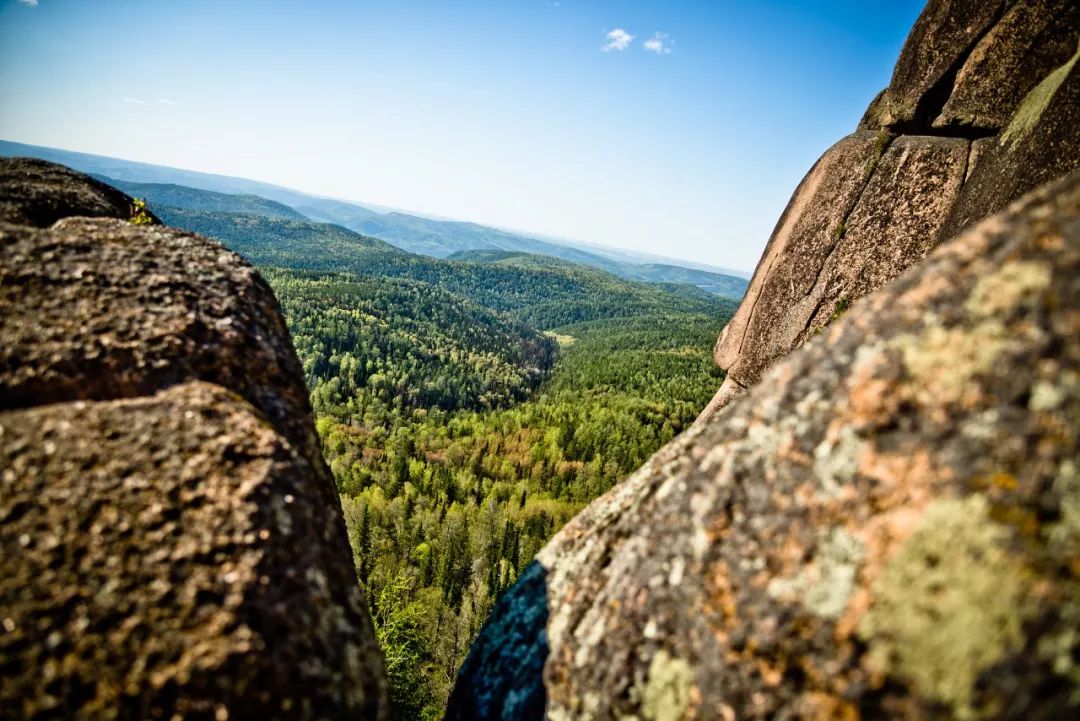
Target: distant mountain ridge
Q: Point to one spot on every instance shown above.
(181, 196)
(427, 236)
(542, 291)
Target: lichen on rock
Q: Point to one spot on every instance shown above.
(882, 527)
(949, 605)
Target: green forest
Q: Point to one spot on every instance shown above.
(468, 409)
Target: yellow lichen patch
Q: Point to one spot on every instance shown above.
(1066, 532)
(668, 690)
(948, 606)
(1005, 289)
(945, 361)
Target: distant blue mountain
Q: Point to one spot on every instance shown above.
(414, 233)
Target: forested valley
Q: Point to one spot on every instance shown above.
(468, 409)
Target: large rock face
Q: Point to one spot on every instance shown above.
(886, 523)
(886, 526)
(982, 108)
(944, 35)
(171, 541)
(826, 250)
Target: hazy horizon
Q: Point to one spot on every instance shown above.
(600, 124)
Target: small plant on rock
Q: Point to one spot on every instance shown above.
(140, 214)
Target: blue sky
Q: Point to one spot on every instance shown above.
(685, 140)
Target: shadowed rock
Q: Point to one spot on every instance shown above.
(1041, 143)
(1032, 38)
(884, 527)
(39, 193)
(517, 644)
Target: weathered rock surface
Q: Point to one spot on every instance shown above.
(172, 545)
(827, 249)
(97, 309)
(1032, 38)
(39, 193)
(943, 37)
(905, 201)
(799, 246)
(167, 555)
(886, 526)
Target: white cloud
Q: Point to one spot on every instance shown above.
(134, 101)
(166, 101)
(618, 39)
(660, 43)
(29, 3)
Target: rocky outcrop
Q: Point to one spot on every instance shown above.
(982, 108)
(39, 193)
(97, 309)
(171, 540)
(826, 250)
(1032, 38)
(943, 37)
(878, 516)
(885, 526)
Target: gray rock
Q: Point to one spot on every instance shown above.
(38, 193)
(1032, 39)
(172, 556)
(885, 526)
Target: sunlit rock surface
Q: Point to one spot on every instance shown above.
(886, 526)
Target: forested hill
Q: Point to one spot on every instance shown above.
(181, 196)
(460, 437)
(543, 293)
(388, 345)
(448, 484)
